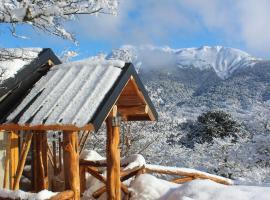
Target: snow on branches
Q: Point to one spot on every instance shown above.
(49, 15)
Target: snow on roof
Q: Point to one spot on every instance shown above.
(70, 93)
(13, 59)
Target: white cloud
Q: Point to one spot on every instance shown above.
(238, 23)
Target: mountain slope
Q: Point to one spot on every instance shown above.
(184, 83)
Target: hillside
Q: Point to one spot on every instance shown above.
(183, 83)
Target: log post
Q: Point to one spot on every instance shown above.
(14, 157)
(7, 161)
(82, 179)
(113, 183)
(71, 162)
(40, 158)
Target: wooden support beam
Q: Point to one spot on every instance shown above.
(82, 179)
(133, 110)
(83, 141)
(25, 149)
(7, 161)
(14, 156)
(40, 156)
(113, 157)
(71, 162)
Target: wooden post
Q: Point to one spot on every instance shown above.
(7, 160)
(71, 163)
(40, 158)
(113, 157)
(14, 157)
(82, 179)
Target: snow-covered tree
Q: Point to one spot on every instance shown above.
(50, 15)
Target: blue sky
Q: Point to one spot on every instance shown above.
(242, 24)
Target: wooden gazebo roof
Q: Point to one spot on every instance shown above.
(80, 95)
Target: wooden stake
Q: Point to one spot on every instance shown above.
(24, 152)
(113, 158)
(7, 161)
(71, 163)
(14, 156)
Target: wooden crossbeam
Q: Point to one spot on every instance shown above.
(56, 127)
(133, 110)
(50, 155)
(125, 175)
(83, 141)
(25, 149)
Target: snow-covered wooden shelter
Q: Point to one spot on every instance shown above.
(73, 97)
(20, 69)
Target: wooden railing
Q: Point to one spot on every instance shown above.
(182, 175)
(95, 169)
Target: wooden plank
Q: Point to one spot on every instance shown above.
(113, 158)
(7, 160)
(23, 155)
(71, 163)
(14, 156)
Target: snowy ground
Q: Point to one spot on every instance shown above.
(148, 187)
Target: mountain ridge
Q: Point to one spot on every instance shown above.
(223, 60)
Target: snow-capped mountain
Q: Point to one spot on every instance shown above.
(223, 60)
(184, 83)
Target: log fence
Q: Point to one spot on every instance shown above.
(182, 175)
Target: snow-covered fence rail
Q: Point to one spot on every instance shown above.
(186, 174)
(133, 166)
(46, 195)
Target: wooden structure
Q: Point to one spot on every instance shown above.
(12, 91)
(110, 91)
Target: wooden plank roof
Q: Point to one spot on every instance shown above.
(79, 96)
(14, 89)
